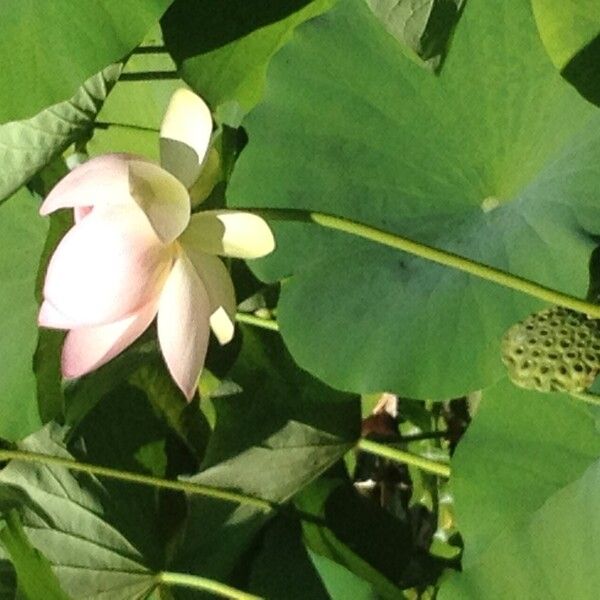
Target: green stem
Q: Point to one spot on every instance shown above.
(108, 125)
(436, 255)
(587, 397)
(201, 583)
(169, 484)
(401, 456)
(256, 321)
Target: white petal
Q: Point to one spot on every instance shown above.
(185, 135)
(88, 348)
(221, 292)
(230, 233)
(183, 325)
(222, 326)
(106, 267)
(124, 180)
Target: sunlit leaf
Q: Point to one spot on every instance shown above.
(570, 30)
(223, 47)
(63, 44)
(521, 449)
(551, 553)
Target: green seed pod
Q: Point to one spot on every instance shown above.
(556, 349)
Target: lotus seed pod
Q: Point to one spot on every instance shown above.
(556, 349)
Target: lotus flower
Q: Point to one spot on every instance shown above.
(135, 253)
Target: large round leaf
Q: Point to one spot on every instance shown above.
(553, 554)
(55, 46)
(496, 159)
(522, 449)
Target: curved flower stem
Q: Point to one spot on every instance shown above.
(587, 397)
(436, 255)
(250, 319)
(182, 486)
(201, 583)
(401, 456)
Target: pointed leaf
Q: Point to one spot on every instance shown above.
(28, 145)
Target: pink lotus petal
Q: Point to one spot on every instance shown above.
(229, 233)
(124, 180)
(51, 318)
(185, 135)
(80, 212)
(221, 293)
(183, 329)
(106, 267)
(103, 180)
(88, 348)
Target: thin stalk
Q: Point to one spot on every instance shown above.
(587, 397)
(448, 259)
(201, 583)
(150, 50)
(256, 321)
(149, 76)
(401, 456)
(169, 484)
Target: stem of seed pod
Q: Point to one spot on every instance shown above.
(587, 397)
(448, 259)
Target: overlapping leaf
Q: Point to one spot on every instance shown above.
(74, 522)
(29, 145)
(223, 47)
(423, 26)
(269, 442)
(566, 26)
(496, 159)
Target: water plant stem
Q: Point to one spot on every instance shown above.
(448, 259)
(201, 583)
(401, 456)
(182, 486)
(250, 319)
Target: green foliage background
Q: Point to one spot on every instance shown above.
(469, 126)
